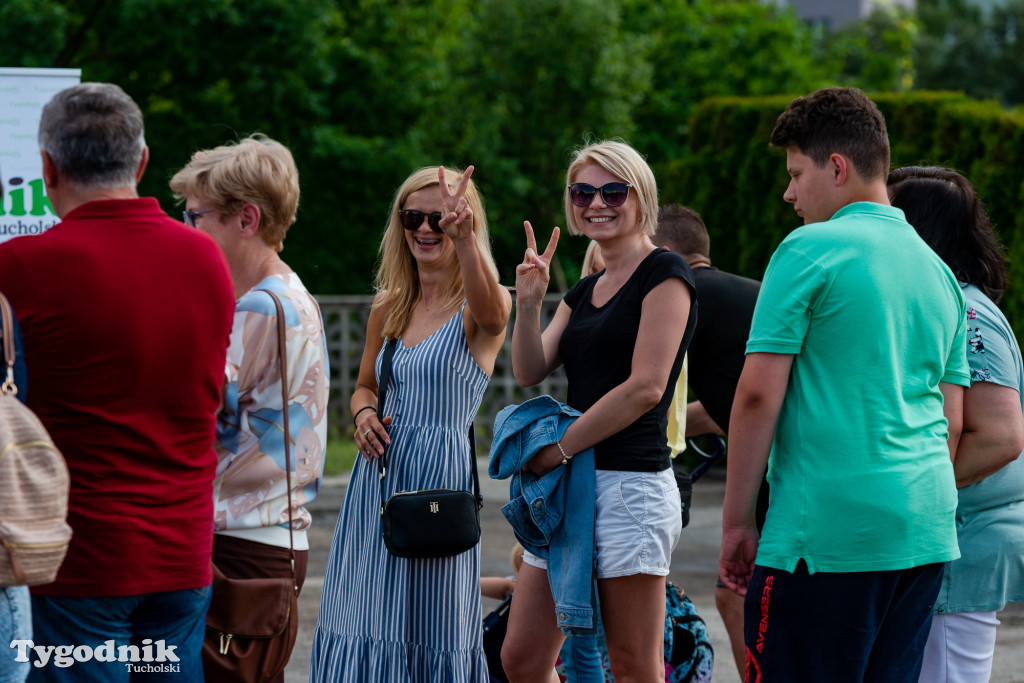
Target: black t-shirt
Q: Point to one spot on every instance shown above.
(719, 344)
(719, 348)
(597, 350)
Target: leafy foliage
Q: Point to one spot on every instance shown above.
(740, 184)
(709, 47)
(29, 30)
(877, 53)
(965, 47)
(364, 91)
(532, 81)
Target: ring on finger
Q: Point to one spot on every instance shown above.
(367, 433)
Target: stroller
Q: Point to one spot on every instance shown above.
(711, 449)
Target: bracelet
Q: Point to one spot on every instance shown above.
(361, 410)
(565, 458)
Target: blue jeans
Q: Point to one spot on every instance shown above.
(153, 623)
(15, 624)
(581, 657)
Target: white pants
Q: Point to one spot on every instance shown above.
(960, 648)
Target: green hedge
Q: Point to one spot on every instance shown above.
(735, 181)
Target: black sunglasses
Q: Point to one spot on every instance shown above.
(612, 194)
(190, 216)
(412, 219)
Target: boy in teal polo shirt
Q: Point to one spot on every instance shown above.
(853, 384)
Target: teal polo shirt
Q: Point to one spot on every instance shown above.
(860, 473)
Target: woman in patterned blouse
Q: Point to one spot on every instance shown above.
(245, 196)
(945, 210)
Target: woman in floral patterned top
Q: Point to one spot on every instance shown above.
(245, 196)
(945, 210)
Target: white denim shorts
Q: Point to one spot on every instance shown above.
(637, 524)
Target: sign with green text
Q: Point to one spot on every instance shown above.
(24, 208)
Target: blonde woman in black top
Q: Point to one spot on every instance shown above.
(621, 335)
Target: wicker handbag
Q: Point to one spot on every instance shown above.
(34, 484)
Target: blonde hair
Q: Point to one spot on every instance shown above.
(397, 284)
(256, 170)
(593, 253)
(624, 162)
(516, 556)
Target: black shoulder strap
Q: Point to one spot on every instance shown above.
(382, 390)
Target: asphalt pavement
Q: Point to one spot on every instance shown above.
(694, 569)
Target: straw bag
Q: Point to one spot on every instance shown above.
(34, 484)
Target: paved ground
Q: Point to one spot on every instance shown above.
(694, 568)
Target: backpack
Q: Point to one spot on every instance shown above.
(34, 484)
(688, 653)
(495, 627)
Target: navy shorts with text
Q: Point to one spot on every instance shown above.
(840, 627)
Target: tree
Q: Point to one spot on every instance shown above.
(875, 54)
(392, 91)
(365, 91)
(967, 48)
(28, 31)
(534, 80)
(716, 47)
(358, 90)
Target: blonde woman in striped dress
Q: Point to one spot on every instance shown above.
(384, 618)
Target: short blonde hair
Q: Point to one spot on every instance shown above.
(624, 162)
(256, 170)
(397, 284)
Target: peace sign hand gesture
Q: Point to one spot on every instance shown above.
(457, 217)
(533, 275)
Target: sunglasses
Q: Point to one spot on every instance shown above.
(612, 194)
(412, 219)
(190, 216)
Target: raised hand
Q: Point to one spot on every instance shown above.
(533, 275)
(456, 216)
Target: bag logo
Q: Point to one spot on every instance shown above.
(434, 507)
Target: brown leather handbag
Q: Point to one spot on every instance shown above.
(252, 624)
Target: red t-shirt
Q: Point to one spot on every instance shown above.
(126, 316)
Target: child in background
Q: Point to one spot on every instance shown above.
(580, 656)
(498, 587)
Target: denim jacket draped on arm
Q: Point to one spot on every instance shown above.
(552, 516)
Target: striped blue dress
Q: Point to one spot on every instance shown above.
(384, 618)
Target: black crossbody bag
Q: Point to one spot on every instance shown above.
(431, 522)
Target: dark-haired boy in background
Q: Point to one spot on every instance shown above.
(725, 304)
(853, 382)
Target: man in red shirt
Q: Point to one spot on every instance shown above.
(126, 315)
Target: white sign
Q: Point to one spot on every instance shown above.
(24, 208)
